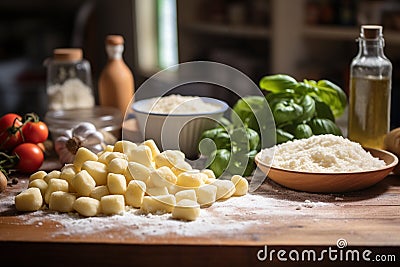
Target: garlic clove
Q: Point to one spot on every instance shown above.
(83, 129)
(60, 143)
(96, 148)
(93, 138)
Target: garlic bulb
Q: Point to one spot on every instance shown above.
(84, 134)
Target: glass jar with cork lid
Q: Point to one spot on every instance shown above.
(370, 90)
(69, 80)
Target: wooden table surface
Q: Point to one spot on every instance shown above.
(229, 233)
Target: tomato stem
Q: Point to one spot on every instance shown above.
(30, 117)
(7, 162)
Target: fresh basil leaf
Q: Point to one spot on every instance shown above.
(308, 105)
(324, 126)
(332, 95)
(274, 98)
(277, 83)
(323, 111)
(305, 87)
(286, 112)
(223, 140)
(302, 131)
(254, 139)
(212, 133)
(249, 110)
(251, 164)
(282, 136)
(221, 160)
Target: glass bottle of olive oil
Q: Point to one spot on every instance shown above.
(370, 90)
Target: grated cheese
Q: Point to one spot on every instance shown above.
(321, 153)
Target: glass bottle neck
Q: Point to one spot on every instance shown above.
(371, 48)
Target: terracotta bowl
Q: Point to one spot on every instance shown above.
(330, 182)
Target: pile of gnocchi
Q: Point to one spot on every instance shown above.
(127, 174)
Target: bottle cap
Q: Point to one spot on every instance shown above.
(371, 31)
(114, 40)
(67, 54)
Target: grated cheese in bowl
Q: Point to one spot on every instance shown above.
(321, 154)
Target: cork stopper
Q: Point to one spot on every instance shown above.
(114, 40)
(371, 31)
(67, 54)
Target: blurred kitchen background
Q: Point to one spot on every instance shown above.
(311, 39)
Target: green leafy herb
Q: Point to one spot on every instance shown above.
(234, 150)
(301, 109)
(283, 136)
(221, 160)
(248, 111)
(302, 131)
(332, 95)
(324, 126)
(278, 83)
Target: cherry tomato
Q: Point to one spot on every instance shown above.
(30, 157)
(10, 136)
(35, 132)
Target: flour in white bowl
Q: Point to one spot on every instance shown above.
(178, 104)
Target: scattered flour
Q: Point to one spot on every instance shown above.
(309, 204)
(321, 153)
(230, 216)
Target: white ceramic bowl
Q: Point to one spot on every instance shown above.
(177, 131)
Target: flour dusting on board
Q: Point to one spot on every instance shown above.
(232, 215)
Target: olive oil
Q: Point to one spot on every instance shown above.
(369, 115)
(370, 90)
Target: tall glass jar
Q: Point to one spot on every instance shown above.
(370, 90)
(69, 80)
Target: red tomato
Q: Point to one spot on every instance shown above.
(10, 137)
(35, 132)
(30, 157)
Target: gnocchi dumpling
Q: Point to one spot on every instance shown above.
(87, 206)
(62, 201)
(112, 204)
(187, 210)
(134, 193)
(29, 200)
(158, 204)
